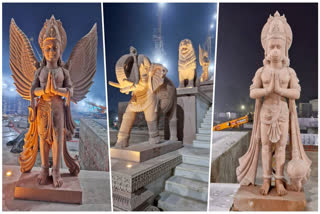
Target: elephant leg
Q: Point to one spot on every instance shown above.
(172, 116)
(152, 122)
(125, 129)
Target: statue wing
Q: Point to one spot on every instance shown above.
(82, 64)
(23, 62)
(157, 74)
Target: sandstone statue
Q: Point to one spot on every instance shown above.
(152, 93)
(187, 64)
(50, 85)
(204, 62)
(275, 119)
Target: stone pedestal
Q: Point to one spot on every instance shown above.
(144, 151)
(129, 180)
(207, 87)
(192, 107)
(248, 198)
(27, 188)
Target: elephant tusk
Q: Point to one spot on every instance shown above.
(114, 84)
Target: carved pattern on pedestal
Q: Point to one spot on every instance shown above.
(127, 183)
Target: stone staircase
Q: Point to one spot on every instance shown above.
(187, 189)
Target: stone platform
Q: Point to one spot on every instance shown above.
(144, 151)
(95, 187)
(248, 198)
(28, 188)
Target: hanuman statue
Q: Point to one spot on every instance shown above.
(50, 85)
(275, 119)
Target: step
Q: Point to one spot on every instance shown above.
(195, 172)
(207, 120)
(189, 188)
(192, 155)
(204, 131)
(201, 144)
(172, 202)
(203, 137)
(205, 125)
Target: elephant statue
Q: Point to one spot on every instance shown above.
(152, 93)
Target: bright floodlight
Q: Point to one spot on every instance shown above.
(161, 4)
(243, 107)
(211, 26)
(214, 16)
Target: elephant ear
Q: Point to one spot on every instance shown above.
(157, 74)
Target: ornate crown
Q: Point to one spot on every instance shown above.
(276, 27)
(52, 29)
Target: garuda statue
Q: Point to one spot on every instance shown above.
(50, 85)
(152, 93)
(275, 118)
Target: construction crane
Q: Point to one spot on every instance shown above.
(233, 123)
(159, 52)
(101, 109)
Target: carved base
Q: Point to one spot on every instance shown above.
(130, 178)
(248, 198)
(27, 188)
(144, 151)
(131, 201)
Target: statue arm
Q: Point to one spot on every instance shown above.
(36, 88)
(67, 89)
(293, 92)
(256, 90)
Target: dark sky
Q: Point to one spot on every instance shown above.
(133, 24)
(77, 20)
(240, 53)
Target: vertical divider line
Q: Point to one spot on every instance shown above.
(213, 100)
(107, 112)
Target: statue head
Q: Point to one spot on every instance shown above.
(185, 47)
(276, 39)
(52, 40)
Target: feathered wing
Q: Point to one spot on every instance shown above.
(23, 62)
(82, 64)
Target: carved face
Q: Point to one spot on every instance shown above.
(51, 50)
(185, 46)
(276, 50)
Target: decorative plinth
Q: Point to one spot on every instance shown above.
(144, 151)
(130, 178)
(27, 188)
(248, 198)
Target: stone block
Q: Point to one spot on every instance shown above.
(227, 147)
(93, 145)
(248, 198)
(144, 151)
(27, 188)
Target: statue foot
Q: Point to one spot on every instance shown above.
(173, 139)
(43, 177)
(57, 180)
(121, 145)
(280, 187)
(264, 190)
(154, 140)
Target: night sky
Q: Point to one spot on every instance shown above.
(133, 25)
(240, 54)
(77, 20)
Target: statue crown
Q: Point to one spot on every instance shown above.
(52, 29)
(276, 28)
